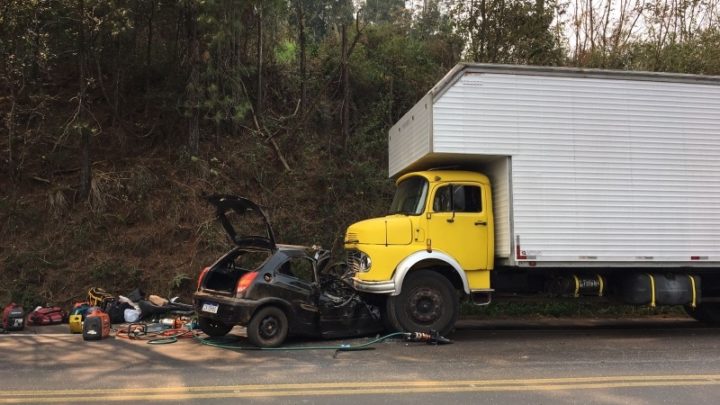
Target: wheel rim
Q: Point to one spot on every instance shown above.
(425, 305)
(269, 327)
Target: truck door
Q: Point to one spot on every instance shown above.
(457, 224)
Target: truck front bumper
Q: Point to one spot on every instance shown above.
(374, 287)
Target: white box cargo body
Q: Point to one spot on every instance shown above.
(589, 168)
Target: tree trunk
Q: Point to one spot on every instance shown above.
(591, 18)
(259, 95)
(194, 84)
(116, 82)
(303, 57)
(577, 33)
(483, 32)
(148, 54)
(85, 166)
(345, 83)
(537, 51)
(10, 125)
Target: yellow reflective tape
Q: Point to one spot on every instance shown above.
(652, 290)
(693, 304)
(602, 285)
(577, 286)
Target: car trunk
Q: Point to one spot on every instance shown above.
(222, 281)
(225, 274)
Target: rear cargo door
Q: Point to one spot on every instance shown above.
(458, 224)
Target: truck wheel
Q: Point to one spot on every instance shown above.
(268, 327)
(707, 313)
(213, 328)
(389, 319)
(427, 302)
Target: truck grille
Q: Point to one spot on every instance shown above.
(353, 261)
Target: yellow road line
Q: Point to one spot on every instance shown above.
(351, 384)
(366, 388)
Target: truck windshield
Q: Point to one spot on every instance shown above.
(410, 197)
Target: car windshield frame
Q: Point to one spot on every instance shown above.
(410, 196)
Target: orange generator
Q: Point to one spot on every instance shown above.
(96, 325)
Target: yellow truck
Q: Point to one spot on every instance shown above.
(551, 182)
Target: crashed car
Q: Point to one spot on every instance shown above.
(276, 290)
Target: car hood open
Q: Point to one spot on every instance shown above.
(225, 204)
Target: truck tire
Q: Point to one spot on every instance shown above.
(388, 318)
(213, 328)
(268, 327)
(706, 313)
(428, 301)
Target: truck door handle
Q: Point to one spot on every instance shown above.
(481, 222)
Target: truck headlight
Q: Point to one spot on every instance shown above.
(365, 262)
(358, 261)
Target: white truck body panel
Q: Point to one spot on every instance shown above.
(589, 168)
(409, 149)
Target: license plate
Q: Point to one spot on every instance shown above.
(210, 307)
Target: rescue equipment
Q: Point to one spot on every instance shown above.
(100, 298)
(433, 337)
(13, 317)
(96, 325)
(116, 311)
(76, 323)
(77, 315)
(46, 316)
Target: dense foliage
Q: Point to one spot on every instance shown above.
(118, 114)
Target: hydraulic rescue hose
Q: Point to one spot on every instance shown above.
(135, 331)
(138, 331)
(409, 336)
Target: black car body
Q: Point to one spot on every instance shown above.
(276, 290)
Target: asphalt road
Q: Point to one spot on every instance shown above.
(651, 361)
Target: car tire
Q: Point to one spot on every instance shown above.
(213, 328)
(428, 301)
(268, 327)
(706, 313)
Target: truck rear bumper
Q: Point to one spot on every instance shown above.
(374, 287)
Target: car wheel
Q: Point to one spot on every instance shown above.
(268, 327)
(213, 328)
(707, 313)
(428, 301)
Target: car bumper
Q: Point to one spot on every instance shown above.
(231, 311)
(374, 287)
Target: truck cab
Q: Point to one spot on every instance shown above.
(435, 245)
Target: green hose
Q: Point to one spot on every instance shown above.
(339, 348)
